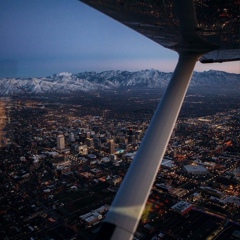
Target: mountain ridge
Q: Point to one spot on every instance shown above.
(66, 82)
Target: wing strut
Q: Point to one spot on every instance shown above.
(128, 205)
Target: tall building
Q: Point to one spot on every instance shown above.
(88, 134)
(71, 137)
(89, 142)
(97, 143)
(60, 142)
(111, 146)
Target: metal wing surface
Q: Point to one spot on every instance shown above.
(217, 22)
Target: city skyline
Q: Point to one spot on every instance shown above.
(41, 38)
(65, 193)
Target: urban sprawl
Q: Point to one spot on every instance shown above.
(60, 171)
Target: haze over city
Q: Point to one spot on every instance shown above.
(40, 38)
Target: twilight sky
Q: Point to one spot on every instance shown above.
(43, 37)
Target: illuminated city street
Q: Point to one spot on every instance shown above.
(69, 184)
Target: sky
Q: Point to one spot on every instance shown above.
(42, 37)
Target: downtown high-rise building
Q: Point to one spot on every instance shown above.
(111, 146)
(60, 142)
(71, 137)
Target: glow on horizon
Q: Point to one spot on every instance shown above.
(43, 69)
(42, 37)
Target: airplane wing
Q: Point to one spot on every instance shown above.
(205, 30)
(217, 23)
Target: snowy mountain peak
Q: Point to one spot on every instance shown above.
(66, 82)
(64, 74)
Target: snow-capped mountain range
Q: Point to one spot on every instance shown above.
(89, 81)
